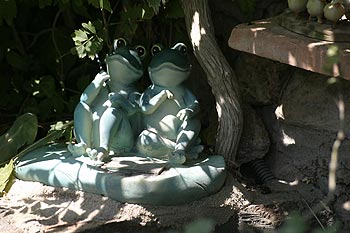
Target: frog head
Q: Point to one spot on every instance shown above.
(169, 67)
(124, 63)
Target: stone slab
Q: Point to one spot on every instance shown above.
(266, 38)
(126, 179)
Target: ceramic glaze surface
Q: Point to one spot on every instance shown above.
(169, 109)
(106, 119)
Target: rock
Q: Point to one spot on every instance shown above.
(310, 101)
(260, 79)
(254, 141)
(305, 129)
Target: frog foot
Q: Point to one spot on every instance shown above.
(98, 155)
(92, 153)
(177, 157)
(77, 149)
(194, 152)
(102, 154)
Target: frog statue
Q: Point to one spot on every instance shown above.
(171, 126)
(150, 164)
(106, 118)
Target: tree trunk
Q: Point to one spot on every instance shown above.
(220, 76)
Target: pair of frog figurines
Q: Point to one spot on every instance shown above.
(114, 119)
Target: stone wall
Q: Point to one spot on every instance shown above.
(290, 115)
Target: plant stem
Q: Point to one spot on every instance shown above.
(105, 28)
(333, 164)
(59, 59)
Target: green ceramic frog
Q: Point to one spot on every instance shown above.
(169, 108)
(105, 119)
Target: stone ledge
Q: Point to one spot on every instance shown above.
(267, 39)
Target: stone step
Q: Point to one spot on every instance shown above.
(266, 38)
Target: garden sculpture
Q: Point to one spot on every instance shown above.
(106, 119)
(150, 166)
(169, 109)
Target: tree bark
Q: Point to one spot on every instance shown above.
(220, 76)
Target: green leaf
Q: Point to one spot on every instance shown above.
(87, 40)
(154, 4)
(147, 12)
(295, 224)
(8, 11)
(333, 57)
(90, 27)
(202, 225)
(105, 4)
(5, 174)
(101, 4)
(23, 131)
(50, 137)
(79, 35)
(80, 50)
(94, 3)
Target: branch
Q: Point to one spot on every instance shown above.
(220, 76)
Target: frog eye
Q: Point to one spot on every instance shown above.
(118, 43)
(155, 49)
(141, 51)
(181, 47)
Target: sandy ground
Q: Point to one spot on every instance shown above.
(34, 207)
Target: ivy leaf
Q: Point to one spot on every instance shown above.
(87, 40)
(79, 35)
(8, 11)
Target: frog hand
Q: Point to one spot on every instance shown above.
(169, 94)
(116, 100)
(101, 77)
(185, 114)
(135, 97)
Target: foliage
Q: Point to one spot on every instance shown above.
(203, 225)
(5, 175)
(297, 224)
(45, 46)
(57, 131)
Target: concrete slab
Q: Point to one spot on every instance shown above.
(266, 38)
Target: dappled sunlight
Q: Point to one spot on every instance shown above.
(292, 183)
(219, 102)
(286, 139)
(196, 31)
(255, 35)
(279, 112)
(346, 206)
(313, 45)
(292, 60)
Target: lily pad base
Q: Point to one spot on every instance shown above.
(129, 179)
